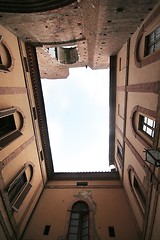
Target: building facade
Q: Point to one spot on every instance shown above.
(35, 202)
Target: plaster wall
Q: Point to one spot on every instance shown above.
(131, 160)
(54, 205)
(24, 149)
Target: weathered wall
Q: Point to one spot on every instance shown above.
(100, 198)
(98, 28)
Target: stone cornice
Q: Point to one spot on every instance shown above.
(86, 176)
(38, 95)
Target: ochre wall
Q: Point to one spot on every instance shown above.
(109, 207)
(24, 149)
(138, 86)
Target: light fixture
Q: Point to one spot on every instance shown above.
(153, 156)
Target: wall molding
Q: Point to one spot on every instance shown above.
(15, 153)
(12, 90)
(148, 87)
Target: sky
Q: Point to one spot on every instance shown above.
(77, 110)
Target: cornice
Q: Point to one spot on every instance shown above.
(86, 176)
(38, 95)
(39, 101)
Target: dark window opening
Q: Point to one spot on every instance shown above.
(67, 54)
(120, 64)
(152, 42)
(120, 152)
(1, 60)
(7, 125)
(111, 231)
(41, 155)
(25, 64)
(137, 189)
(17, 186)
(82, 183)
(5, 57)
(147, 125)
(46, 230)
(34, 113)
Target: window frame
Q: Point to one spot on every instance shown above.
(144, 126)
(18, 195)
(137, 110)
(137, 189)
(10, 136)
(4, 68)
(120, 153)
(150, 44)
(77, 227)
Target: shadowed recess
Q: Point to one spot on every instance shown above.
(19, 6)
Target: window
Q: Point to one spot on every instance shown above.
(143, 125)
(34, 113)
(120, 152)
(7, 125)
(120, 64)
(5, 57)
(20, 186)
(137, 189)
(41, 155)
(152, 42)
(25, 64)
(147, 125)
(11, 122)
(111, 231)
(79, 222)
(46, 230)
(82, 183)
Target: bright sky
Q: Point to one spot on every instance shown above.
(77, 110)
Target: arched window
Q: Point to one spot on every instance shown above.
(11, 125)
(5, 57)
(20, 186)
(79, 222)
(147, 46)
(143, 125)
(152, 42)
(137, 189)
